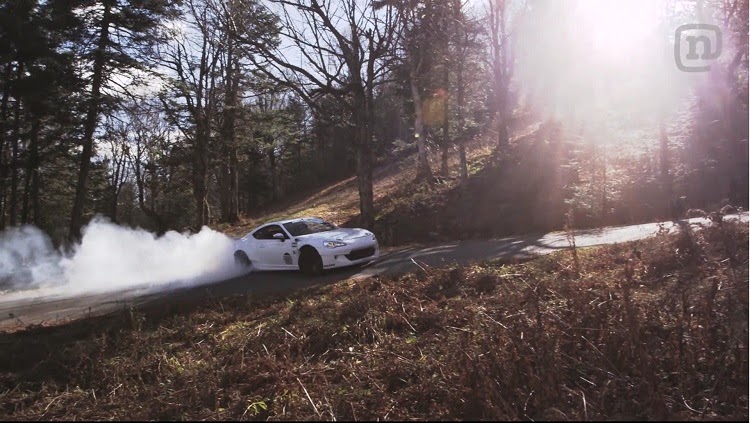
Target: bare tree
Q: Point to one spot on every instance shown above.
(422, 37)
(229, 163)
(146, 140)
(464, 34)
(124, 33)
(233, 66)
(341, 48)
(116, 137)
(268, 105)
(92, 115)
(502, 65)
(193, 59)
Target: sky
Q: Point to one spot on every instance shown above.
(603, 62)
(606, 60)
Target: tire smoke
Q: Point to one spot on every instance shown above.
(109, 258)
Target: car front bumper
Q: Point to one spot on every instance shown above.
(354, 253)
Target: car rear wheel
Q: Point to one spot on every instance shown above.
(310, 263)
(243, 260)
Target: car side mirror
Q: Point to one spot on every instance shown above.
(279, 236)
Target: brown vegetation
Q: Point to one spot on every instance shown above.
(653, 329)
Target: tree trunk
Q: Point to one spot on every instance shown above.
(113, 203)
(223, 182)
(299, 159)
(25, 197)
(32, 163)
(228, 184)
(116, 181)
(140, 182)
(229, 165)
(234, 180)
(272, 164)
(363, 151)
(36, 205)
(502, 117)
(460, 118)
(364, 118)
(664, 174)
(446, 124)
(501, 69)
(364, 180)
(3, 161)
(423, 165)
(502, 133)
(92, 116)
(226, 130)
(200, 172)
(14, 153)
(319, 138)
(116, 185)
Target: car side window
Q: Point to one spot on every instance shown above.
(268, 232)
(261, 233)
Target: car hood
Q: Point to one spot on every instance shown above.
(339, 234)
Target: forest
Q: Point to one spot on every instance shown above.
(172, 115)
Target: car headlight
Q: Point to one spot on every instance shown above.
(334, 244)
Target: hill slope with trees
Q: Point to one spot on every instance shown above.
(446, 119)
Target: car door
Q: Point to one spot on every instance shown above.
(272, 252)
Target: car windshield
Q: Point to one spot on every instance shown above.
(306, 227)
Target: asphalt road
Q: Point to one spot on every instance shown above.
(15, 313)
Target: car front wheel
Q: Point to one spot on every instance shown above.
(310, 263)
(241, 258)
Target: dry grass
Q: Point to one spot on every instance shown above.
(650, 330)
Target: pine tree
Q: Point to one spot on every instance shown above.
(121, 36)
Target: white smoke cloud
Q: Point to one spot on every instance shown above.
(27, 259)
(111, 257)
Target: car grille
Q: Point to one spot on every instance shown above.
(361, 253)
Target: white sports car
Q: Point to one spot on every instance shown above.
(309, 244)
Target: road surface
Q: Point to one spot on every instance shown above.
(18, 313)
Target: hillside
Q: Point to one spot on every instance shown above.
(529, 186)
(399, 198)
(655, 329)
(394, 187)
